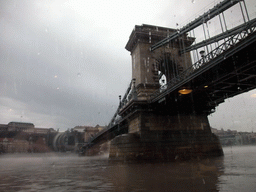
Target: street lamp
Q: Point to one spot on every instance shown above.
(185, 91)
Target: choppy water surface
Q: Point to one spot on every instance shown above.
(236, 171)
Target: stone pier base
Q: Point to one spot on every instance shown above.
(165, 146)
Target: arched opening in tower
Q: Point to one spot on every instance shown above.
(167, 69)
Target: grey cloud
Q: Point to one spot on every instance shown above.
(61, 68)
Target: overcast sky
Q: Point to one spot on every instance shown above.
(63, 63)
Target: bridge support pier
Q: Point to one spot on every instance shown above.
(162, 141)
(171, 146)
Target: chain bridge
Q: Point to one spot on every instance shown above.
(179, 76)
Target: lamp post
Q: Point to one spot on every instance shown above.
(120, 97)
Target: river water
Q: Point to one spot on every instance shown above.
(236, 171)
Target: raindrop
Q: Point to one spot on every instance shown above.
(38, 53)
(193, 1)
(46, 30)
(78, 74)
(58, 88)
(177, 24)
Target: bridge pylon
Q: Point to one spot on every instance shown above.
(158, 130)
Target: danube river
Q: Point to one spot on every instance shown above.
(236, 171)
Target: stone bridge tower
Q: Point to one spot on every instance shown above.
(160, 133)
(147, 66)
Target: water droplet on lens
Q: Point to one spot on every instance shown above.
(193, 1)
(78, 74)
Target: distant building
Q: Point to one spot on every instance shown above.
(10, 145)
(88, 131)
(73, 139)
(3, 127)
(232, 137)
(24, 137)
(5, 144)
(19, 126)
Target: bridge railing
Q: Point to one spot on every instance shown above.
(129, 95)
